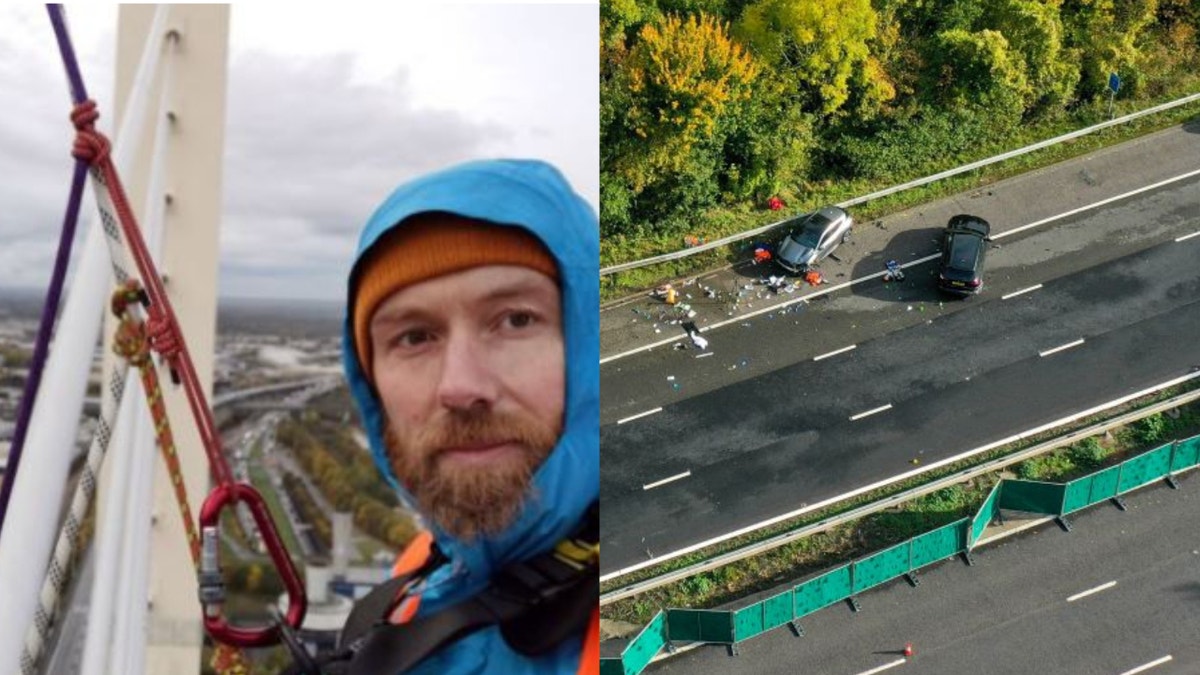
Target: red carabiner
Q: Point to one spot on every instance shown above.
(215, 623)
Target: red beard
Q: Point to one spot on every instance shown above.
(471, 500)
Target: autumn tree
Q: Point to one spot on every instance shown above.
(819, 46)
(977, 71)
(661, 138)
(1107, 33)
(1034, 31)
(684, 75)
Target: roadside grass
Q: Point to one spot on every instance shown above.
(717, 223)
(841, 544)
(262, 483)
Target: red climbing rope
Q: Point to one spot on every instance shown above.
(162, 335)
(132, 342)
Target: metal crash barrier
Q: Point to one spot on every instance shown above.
(731, 627)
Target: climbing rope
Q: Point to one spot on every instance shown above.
(45, 330)
(165, 339)
(64, 548)
(160, 333)
(132, 343)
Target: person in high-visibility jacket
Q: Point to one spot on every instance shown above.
(471, 344)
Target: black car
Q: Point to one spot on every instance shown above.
(964, 248)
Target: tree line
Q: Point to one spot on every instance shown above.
(713, 106)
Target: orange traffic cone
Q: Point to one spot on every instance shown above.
(908, 650)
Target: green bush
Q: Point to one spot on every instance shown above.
(1151, 429)
(1088, 453)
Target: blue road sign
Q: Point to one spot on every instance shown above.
(1114, 82)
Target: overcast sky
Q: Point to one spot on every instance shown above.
(376, 94)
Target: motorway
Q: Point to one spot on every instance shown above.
(761, 429)
(1119, 592)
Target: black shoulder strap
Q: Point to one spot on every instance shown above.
(537, 603)
(373, 608)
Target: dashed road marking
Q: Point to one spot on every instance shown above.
(1148, 666)
(1048, 352)
(1186, 237)
(639, 416)
(678, 476)
(1101, 587)
(835, 352)
(884, 667)
(868, 413)
(1020, 292)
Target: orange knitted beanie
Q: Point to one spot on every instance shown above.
(429, 245)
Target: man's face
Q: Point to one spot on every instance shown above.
(470, 370)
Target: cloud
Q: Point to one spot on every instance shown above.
(320, 126)
(310, 152)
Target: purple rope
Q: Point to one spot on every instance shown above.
(58, 19)
(54, 294)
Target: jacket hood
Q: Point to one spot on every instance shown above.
(535, 196)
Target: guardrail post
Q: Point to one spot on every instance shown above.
(1169, 477)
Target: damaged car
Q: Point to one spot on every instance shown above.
(810, 239)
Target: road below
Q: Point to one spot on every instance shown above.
(768, 435)
(1120, 591)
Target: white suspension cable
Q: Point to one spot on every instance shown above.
(39, 490)
(129, 641)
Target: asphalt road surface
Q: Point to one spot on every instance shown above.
(773, 430)
(1024, 607)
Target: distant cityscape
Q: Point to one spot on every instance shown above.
(276, 382)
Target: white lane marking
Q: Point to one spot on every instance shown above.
(880, 409)
(1093, 205)
(742, 317)
(1020, 292)
(1148, 666)
(918, 261)
(639, 415)
(1186, 237)
(835, 352)
(754, 527)
(664, 481)
(884, 667)
(1048, 352)
(700, 356)
(1101, 587)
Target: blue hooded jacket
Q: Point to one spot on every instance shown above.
(535, 196)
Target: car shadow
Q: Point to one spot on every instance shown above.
(919, 283)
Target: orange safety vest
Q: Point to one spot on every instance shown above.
(418, 551)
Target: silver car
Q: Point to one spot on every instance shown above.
(812, 238)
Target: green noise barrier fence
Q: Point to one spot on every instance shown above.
(731, 627)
